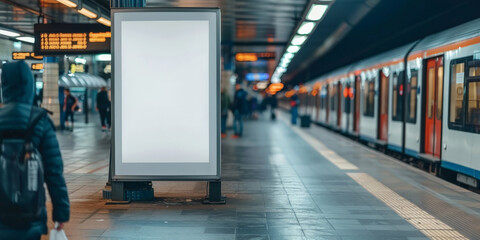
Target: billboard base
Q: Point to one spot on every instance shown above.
(215, 193)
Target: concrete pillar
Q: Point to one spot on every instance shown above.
(50, 88)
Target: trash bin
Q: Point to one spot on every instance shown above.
(305, 121)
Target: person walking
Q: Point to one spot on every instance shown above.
(225, 105)
(294, 108)
(273, 106)
(239, 109)
(28, 141)
(69, 107)
(103, 107)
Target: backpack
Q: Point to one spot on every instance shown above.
(21, 176)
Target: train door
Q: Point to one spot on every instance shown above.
(339, 104)
(383, 107)
(327, 103)
(356, 121)
(433, 107)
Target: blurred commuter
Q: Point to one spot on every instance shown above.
(103, 107)
(253, 103)
(294, 108)
(30, 153)
(239, 109)
(69, 107)
(273, 106)
(225, 101)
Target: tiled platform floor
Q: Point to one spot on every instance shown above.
(277, 187)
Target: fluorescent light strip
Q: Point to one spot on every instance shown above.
(293, 49)
(87, 13)
(298, 40)
(104, 21)
(316, 12)
(26, 39)
(68, 3)
(288, 55)
(306, 28)
(9, 33)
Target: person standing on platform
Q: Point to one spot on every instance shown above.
(69, 107)
(273, 106)
(25, 130)
(103, 107)
(294, 108)
(239, 109)
(225, 105)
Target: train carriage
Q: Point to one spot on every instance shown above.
(450, 119)
(421, 100)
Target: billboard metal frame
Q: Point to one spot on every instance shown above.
(139, 178)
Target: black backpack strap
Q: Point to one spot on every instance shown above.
(36, 115)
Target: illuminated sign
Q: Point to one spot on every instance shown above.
(77, 68)
(25, 56)
(154, 147)
(59, 39)
(257, 76)
(253, 57)
(37, 66)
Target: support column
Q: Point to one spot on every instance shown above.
(51, 100)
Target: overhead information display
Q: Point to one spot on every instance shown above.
(59, 39)
(156, 53)
(25, 56)
(37, 66)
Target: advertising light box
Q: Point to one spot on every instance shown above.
(166, 90)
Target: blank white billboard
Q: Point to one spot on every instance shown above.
(166, 88)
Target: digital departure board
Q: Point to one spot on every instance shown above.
(37, 66)
(25, 56)
(253, 57)
(59, 39)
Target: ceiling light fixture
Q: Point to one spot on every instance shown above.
(9, 33)
(68, 3)
(104, 21)
(293, 49)
(288, 55)
(26, 39)
(316, 12)
(104, 57)
(298, 40)
(306, 28)
(87, 13)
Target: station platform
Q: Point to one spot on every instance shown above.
(281, 182)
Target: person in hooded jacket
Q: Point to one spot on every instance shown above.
(15, 114)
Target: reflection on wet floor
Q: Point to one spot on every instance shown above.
(277, 187)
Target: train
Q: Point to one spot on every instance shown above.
(420, 101)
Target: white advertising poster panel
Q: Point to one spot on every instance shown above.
(166, 79)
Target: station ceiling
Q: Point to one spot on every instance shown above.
(350, 30)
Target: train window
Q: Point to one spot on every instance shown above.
(411, 95)
(384, 94)
(397, 98)
(369, 96)
(333, 94)
(473, 114)
(457, 80)
(474, 68)
(431, 93)
(440, 92)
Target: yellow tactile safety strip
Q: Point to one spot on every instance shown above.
(326, 152)
(421, 220)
